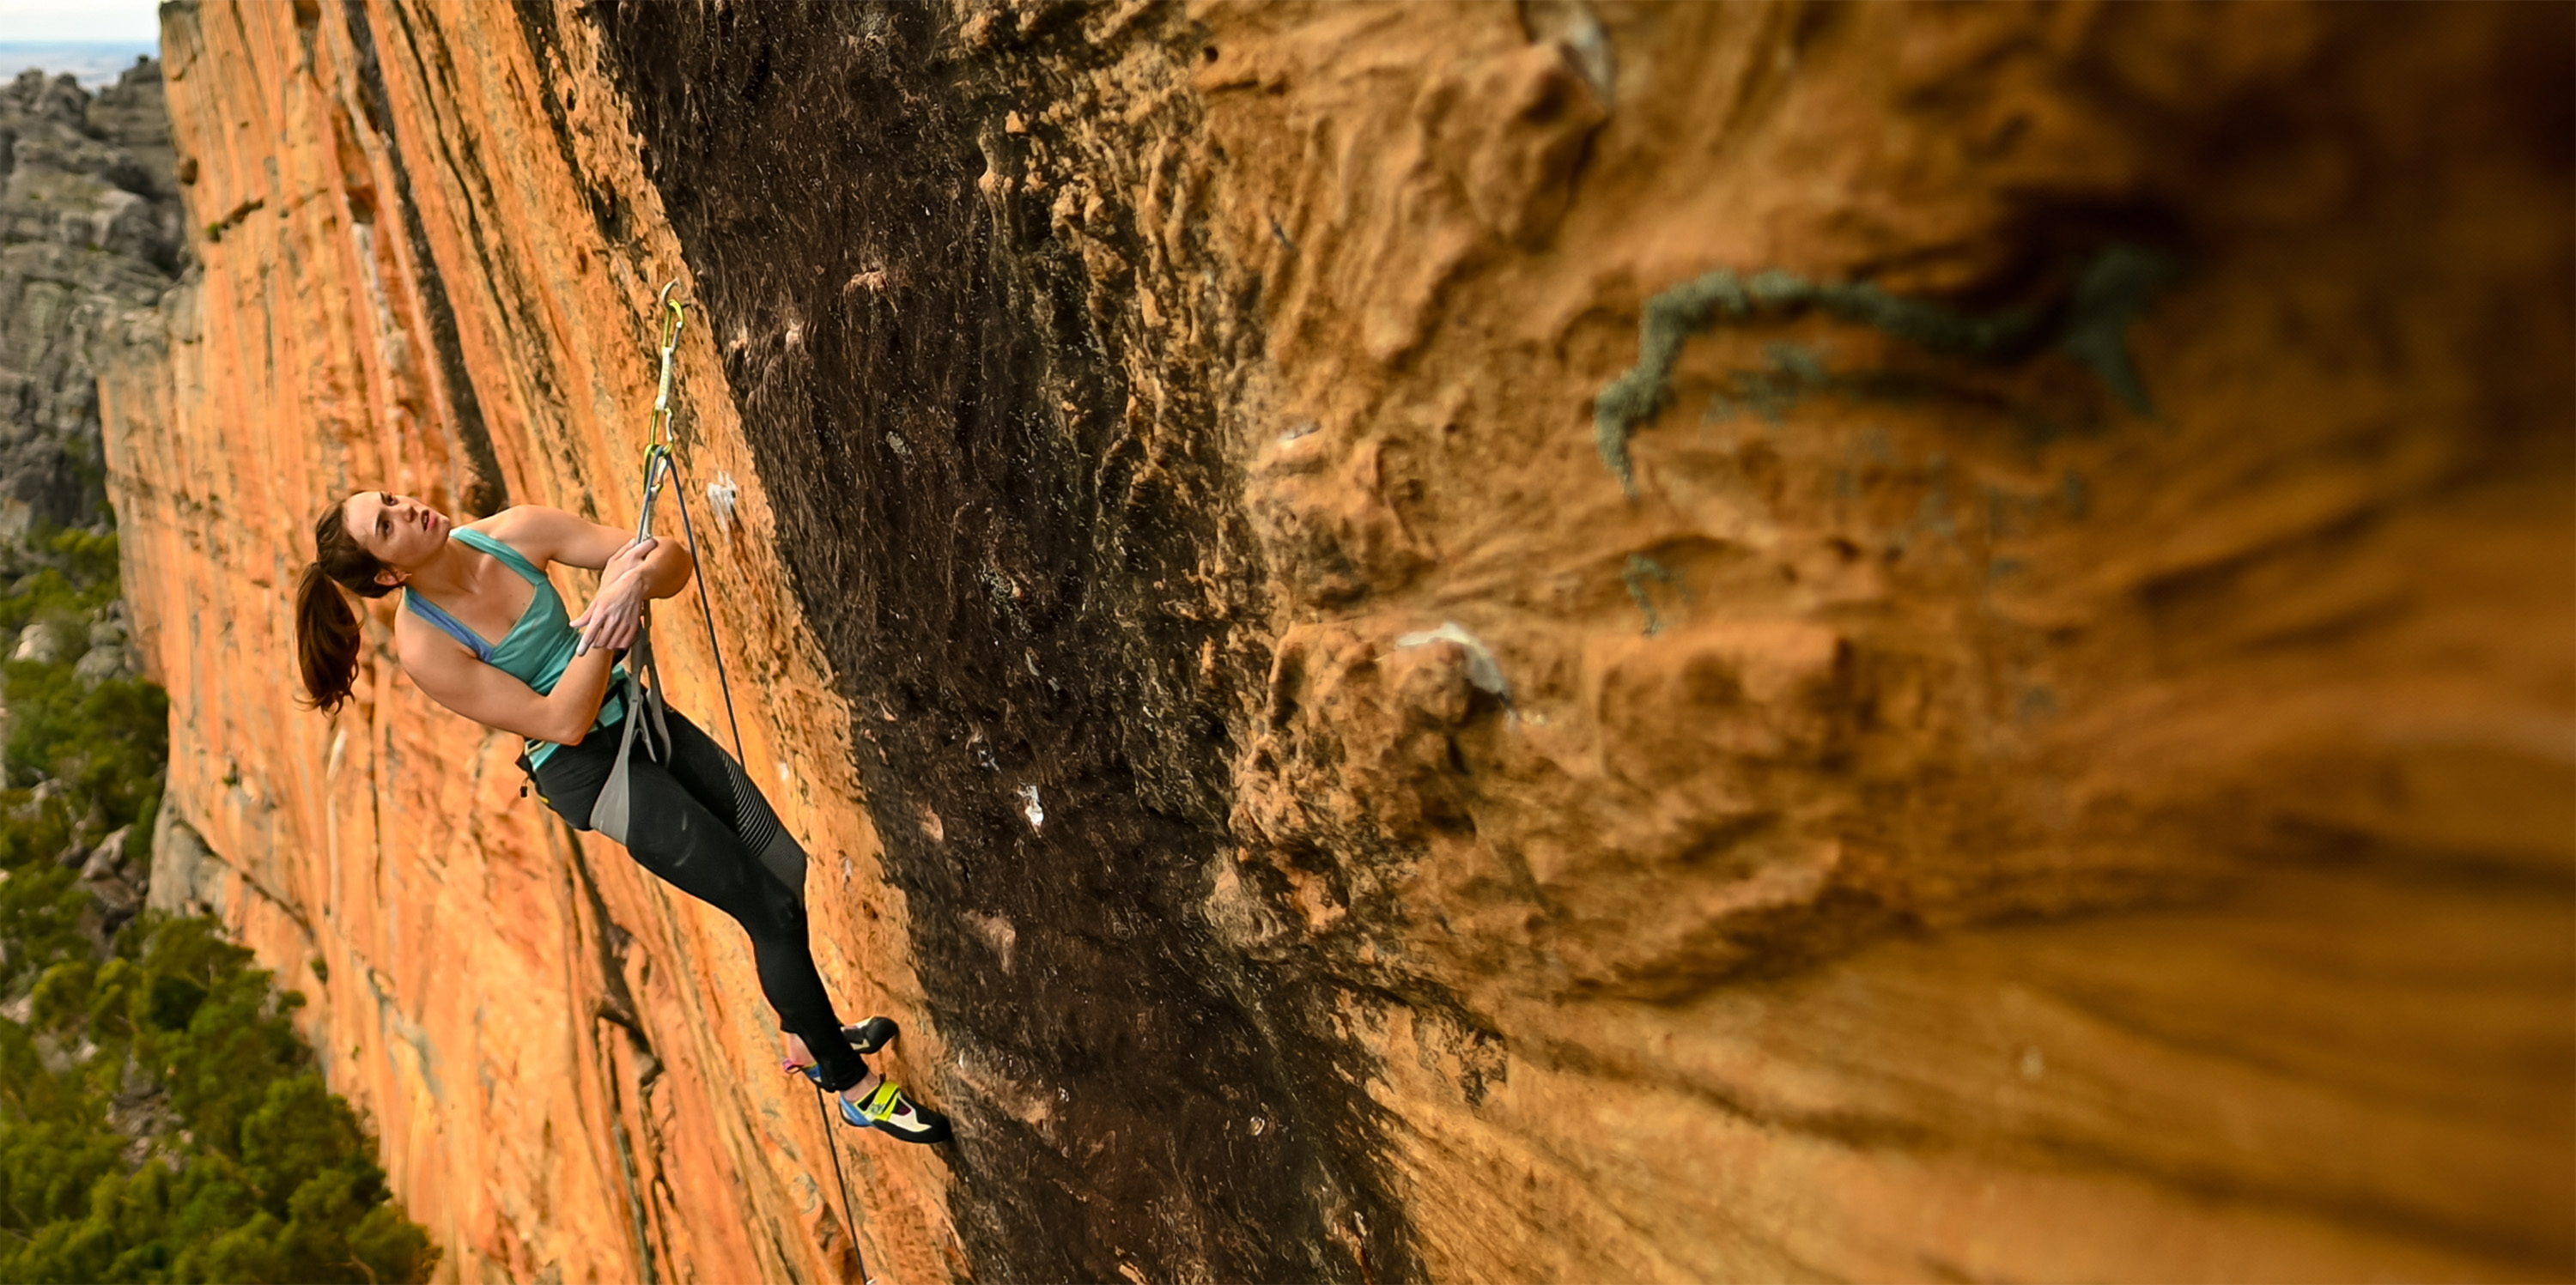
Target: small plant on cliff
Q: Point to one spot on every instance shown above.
(160, 1120)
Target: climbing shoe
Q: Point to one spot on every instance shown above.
(866, 1037)
(872, 1034)
(887, 1109)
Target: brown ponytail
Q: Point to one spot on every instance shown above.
(326, 629)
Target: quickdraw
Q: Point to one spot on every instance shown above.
(612, 813)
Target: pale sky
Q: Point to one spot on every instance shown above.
(48, 21)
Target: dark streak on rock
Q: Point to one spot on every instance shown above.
(985, 530)
(538, 18)
(486, 492)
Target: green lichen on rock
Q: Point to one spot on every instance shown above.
(1634, 397)
(2091, 326)
(2113, 289)
(1640, 570)
(1794, 371)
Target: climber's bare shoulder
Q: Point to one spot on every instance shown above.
(546, 535)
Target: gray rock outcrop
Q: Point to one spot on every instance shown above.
(90, 224)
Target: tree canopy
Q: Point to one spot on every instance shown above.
(160, 1118)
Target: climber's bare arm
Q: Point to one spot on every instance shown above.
(455, 678)
(552, 535)
(631, 572)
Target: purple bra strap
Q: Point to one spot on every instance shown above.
(449, 625)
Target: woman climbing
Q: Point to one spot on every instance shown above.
(548, 679)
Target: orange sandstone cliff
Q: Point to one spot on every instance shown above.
(1562, 641)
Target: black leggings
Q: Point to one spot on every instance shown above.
(683, 829)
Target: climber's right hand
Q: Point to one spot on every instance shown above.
(626, 560)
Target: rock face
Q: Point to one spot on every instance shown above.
(570, 1067)
(1540, 642)
(89, 226)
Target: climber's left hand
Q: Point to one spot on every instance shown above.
(615, 615)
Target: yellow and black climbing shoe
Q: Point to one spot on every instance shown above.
(886, 1109)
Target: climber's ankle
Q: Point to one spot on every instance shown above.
(867, 1084)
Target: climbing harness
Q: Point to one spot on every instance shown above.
(612, 813)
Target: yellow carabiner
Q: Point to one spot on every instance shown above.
(675, 315)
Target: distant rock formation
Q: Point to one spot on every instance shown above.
(89, 225)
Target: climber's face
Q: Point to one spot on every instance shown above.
(402, 532)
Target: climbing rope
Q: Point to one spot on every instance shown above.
(661, 462)
(661, 465)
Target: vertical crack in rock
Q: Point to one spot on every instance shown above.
(617, 1008)
(485, 493)
(986, 393)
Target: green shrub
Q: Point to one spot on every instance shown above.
(258, 1171)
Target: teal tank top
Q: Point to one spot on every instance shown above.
(537, 649)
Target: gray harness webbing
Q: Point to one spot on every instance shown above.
(613, 811)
